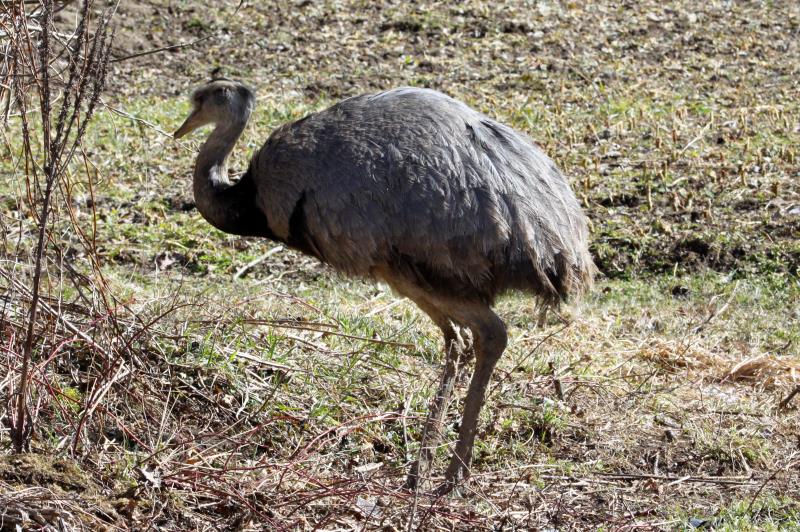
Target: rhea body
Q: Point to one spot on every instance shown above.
(416, 189)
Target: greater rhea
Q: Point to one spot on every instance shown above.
(416, 189)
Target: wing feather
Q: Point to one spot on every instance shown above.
(414, 173)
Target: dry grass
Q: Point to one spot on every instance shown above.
(201, 381)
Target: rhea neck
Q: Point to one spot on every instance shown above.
(227, 205)
(211, 167)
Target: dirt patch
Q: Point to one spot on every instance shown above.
(45, 471)
(40, 491)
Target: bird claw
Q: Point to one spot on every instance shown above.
(444, 488)
(454, 478)
(411, 483)
(450, 484)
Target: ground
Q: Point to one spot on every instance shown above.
(236, 384)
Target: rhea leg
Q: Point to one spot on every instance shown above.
(489, 338)
(432, 431)
(456, 351)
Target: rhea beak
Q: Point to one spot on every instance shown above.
(190, 124)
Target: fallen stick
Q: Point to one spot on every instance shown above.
(785, 402)
(244, 269)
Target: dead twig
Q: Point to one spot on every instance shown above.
(247, 267)
(784, 404)
(163, 49)
(789, 466)
(726, 481)
(61, 132)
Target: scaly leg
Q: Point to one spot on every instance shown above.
(454, 359)
(490, 338)
(488, 341)
(432, 432)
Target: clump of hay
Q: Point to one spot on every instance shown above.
(766, 370)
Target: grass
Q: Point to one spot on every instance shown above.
(766, 513)
(288, 396)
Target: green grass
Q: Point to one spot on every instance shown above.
(768, 514)
(688, 184)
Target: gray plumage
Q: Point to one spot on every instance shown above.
(418, 180)
(412, 187)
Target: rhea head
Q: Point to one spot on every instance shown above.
(222, 102)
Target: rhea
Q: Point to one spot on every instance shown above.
(416, 189)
